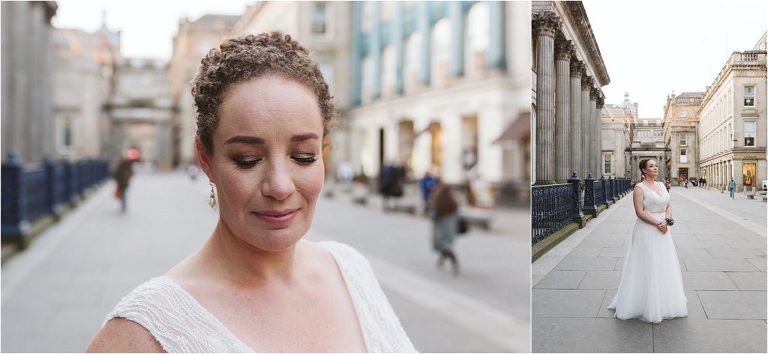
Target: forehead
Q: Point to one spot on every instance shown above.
(269, 105)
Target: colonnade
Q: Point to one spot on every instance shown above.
(568, 104)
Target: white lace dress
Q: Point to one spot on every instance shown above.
(181, 324)
(651, 287)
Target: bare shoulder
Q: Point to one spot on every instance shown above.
(123, 335)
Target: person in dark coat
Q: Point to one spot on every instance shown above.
(445, 223)
(122, 177)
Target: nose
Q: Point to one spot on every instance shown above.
(278, 183)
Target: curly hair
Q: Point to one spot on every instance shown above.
(244, 58)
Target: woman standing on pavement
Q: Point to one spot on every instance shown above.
(445, 223)
(256, 285)
(651, 287)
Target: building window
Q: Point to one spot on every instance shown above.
(67, 133)
(388, 73)
(750, 129)
(607, 164)
(319, 18)
(683, 156)
(441, 43)
(412, 62)
(683, 139)
(749, 96)
(477, 39)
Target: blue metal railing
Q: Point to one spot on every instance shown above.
(554, 206)
(32, 192)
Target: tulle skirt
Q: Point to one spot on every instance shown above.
(651, 287)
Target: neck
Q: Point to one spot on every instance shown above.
(231, 258)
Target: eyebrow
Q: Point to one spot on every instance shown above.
(252, 140)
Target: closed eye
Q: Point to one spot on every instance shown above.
(246, 163)
(304, 159)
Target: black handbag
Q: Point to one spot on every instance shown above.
(463, 225)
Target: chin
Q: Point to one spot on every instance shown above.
(276, 240)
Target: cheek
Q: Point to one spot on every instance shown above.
(310, 182)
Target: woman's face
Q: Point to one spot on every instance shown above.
(651, 169)
(267, 162)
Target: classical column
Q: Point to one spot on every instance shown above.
(456, 59)
(424, 27)
(357, 53)
(563, 52)
(594, 134)
(575, 132)
(397, 39)
(600, 102)
(545, 24)
(495, 54)
(586, 85)
(375, 51)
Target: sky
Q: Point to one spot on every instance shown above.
(652, 48)
(147, 27)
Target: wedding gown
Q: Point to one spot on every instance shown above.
(651, 287)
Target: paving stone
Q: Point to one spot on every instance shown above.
(587, 263)
(737, 252)
(613, 252)
(707, 281)
(602, 242)
(566, 303)
(702, 244)
(746, 244)
(562, 279)
(717, 237)
(718, 264)
(601, 279)
(591, 335)
(693, 253)
(699, 335)
(759, 263)
(734, 305)
(748, 280)
(585, 252)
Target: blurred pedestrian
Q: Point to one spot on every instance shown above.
(427, 184)
(263, 112)
(667, 185)
(445, 221)
(732, 188)
(122, 176)
(192, 171)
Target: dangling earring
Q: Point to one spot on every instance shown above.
(212, 198)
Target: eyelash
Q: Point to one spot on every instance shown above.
(305, 160)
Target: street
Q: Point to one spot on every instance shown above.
(56, 294)
(721, 243)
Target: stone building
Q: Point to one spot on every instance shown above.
(568, 73)
(732, 130)
(141, 111)
(681, 120)
(84, 81)
(647, 143)
(323, 27)
(434, 86)
(191, 43)
(27, 88)
(617, 123)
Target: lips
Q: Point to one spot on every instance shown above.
(277, 217)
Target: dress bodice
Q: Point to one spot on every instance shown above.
(653, 201)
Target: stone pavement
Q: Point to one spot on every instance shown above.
(56, 293)
(722, 248)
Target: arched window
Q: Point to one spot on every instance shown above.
(476, 40)
(412, 62)
(388, 72)
(441, 42)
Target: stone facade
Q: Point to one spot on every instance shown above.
(732, 130)
(681, 121)
(27, 89)
(141, 112)
(568, 73)
(436, 84)
(616, 124)
(647, 143)
(86, 61)
(191, 43)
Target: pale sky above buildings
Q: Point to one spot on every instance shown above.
(651, 48)
(148, 26)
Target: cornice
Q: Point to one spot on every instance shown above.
(581, 21)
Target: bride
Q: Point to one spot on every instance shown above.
(651, 287)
